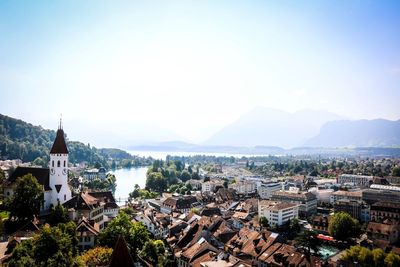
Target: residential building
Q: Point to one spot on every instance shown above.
(357, 180)
(195, 184)
(383, 210)
(157, 223)
(244, 187)
(182, 204)
(320, 223)
(91, 174)
(265, 190)
(85, 205)
(307, 201)
(86, 233)
(387, 231)
(210, 186)
(277, 212)
(111, 208)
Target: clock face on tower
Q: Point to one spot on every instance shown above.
(52, 171)
(64, 171)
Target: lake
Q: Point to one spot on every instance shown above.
(126, 180)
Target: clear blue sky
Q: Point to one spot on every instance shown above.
(191, 67)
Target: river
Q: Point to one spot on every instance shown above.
(126, 180)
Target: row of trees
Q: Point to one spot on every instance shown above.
(370, 258)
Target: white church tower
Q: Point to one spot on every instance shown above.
(58, 179)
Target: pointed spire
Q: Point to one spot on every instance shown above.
(60, 126)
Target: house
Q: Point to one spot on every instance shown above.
(357, 180)
(245, 187)
(276, 212)
(157, 223)
(181, 203)
(387, 231)
(54, 180)
(265, 190)
(111, 208)
(385, 210)
(85, 205)
(320, 223)
(195, 184)
(357, 209)
(211, 186)
(201, 248)
(86, 233)
(91, 174)
(349, 195)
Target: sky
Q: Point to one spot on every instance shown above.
(185, 69)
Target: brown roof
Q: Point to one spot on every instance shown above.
(84, 226)
(41, 174)
(83, 201)
(106, 197)
(59, 145)
(121, 256)
(381, 228)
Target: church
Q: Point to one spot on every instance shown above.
(53, 179)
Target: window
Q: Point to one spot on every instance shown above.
(58, 164)
(52, 163)
(64, 163)
(65, 197)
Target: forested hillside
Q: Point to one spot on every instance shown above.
(22, 140)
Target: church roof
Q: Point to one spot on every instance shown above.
(41, 174)
(121, 255)
(59, 145)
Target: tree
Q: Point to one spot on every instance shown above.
(342, 226)
(27, 198)
(58, 215)
(263, 221)
(98, 256)
(308, 240)
(392, 260)
(396, 171)
(185, 175)
(379, 256)
(153, 251)
(135, 234)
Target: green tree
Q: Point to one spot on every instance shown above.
(396, 171)
(27, 198)
(342, 226)
(379, 256)
(153, 251)
(308, 240)
(135, 234)
(263, 221)
(185, 175)
(58, 215)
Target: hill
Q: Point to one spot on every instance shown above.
(22, 140)
(271, 127)
(358, 133)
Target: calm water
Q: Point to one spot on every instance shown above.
(126, 180)
(163, 154)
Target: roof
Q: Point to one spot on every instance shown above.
(106, 197)
(381, 228)
(59, 145)
(41, 174)
(276, 205)
(83, 201)
(85, 224)
(121, 255)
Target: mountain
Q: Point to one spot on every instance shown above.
(271, 127)
(358, 133)
(22, 140)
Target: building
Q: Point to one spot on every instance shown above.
(323, 195)
(111, 208)
(211, 186)
(387, 231)
(54, 179)
(383, 210)
(244, 187)
(357, 209)
(156, 223)
(181, 204)
(307, 201)
(265, 190)
(320, 223)
(86, 233)
(85, 205)
(358, 180)
(346, 195)
(91, 174)
(371, 196)
(195, 184)
(278, 213)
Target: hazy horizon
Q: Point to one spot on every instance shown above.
(182, 70)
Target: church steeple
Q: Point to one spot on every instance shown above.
(59, 145)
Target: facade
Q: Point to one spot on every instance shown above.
(346, 195)
(54, 179)
(358, 180)
(156, 223)
(244, 187)
(277, 213)
(307, 201)
(357, 209)
(265, 190)
(85, 205)
(86, 233)
(381, 211)
(94, 173)
(182, 204)
(387, 231)
(195, 184)
(371, 196)
(210, 186)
